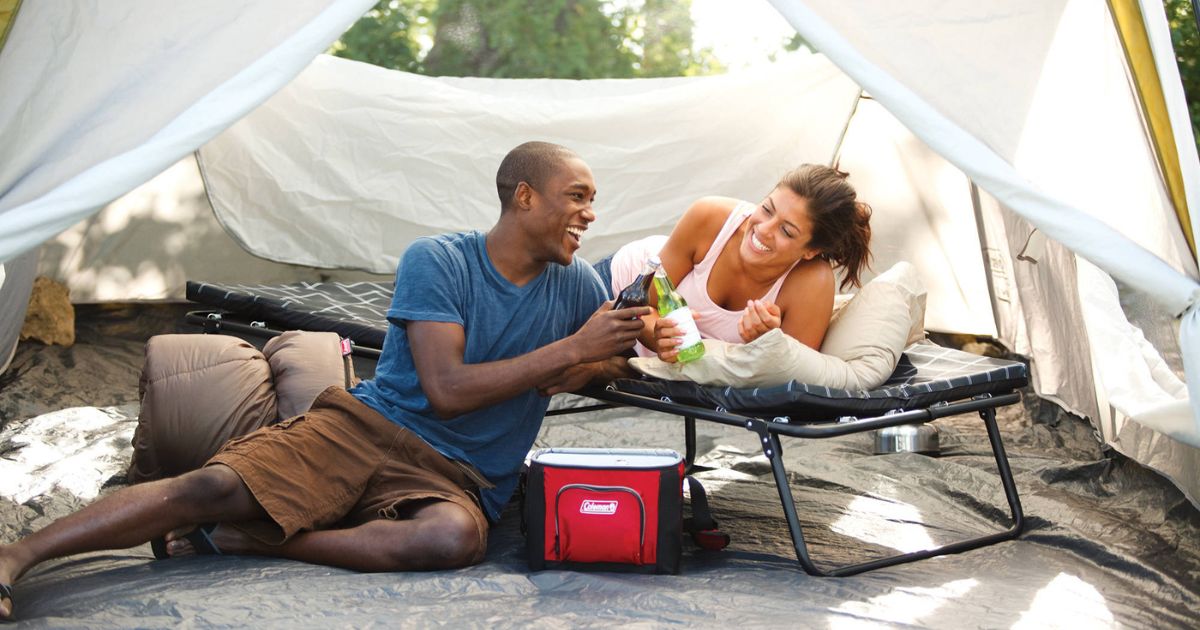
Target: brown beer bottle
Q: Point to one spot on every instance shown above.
(638, 291)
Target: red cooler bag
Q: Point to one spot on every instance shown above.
(608, 509)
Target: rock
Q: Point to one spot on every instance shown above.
(984, 348)
(51, 316)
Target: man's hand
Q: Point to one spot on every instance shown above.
(759, 317)
(455, 387)
(577, 376)
(608, 333)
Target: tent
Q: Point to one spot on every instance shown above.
(1032, 157)
(1041, 131)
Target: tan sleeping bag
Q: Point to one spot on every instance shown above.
(199, 391)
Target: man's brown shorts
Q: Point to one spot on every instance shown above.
(342, 464)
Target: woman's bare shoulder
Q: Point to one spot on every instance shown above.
(806, 301)
(810, 282)
(707, 212)
(715, 203)
(695, 232)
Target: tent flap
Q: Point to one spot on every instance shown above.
(72, 140)
(1004, 153)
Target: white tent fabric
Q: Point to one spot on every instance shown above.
(289, 182)
(16, 283)
(923, 214)
(980, 121)
(96, 102)
(1130, 369)
(350, 162)
(147, 244)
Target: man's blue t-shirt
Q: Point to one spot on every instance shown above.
(450, 278)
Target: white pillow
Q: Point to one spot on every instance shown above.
(875, 326)
(772, 359)
(862, 346)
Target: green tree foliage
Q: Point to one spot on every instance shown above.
(573, 39)
(387, 35)
(1186, 40)
(567, 39)
(665, 29)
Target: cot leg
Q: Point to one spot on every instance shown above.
(689, 443)
(1006, 478)
(773, 449)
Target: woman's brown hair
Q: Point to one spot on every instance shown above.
(841, 225)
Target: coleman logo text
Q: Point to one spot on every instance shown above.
(598, 507)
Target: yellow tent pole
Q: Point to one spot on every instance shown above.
(8, 11)
(1132, 30)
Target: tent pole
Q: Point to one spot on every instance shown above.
(983, 249)
(837, 148)
(8, 15)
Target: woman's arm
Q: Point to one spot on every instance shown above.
(687, 245)
(806, 302)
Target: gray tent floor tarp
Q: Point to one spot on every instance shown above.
(1108, 542)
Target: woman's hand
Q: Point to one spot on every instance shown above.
(759, 317)
(667, 337)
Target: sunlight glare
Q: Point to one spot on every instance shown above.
(884, 522)
(741, 34)
(75, 449)
(1061, 603)
(904, 605)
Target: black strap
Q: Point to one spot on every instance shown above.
(522, 481)
(6, 591)
(702, 518)
(702, 526)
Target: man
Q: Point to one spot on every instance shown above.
(405, 471)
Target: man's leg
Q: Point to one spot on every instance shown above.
(342, 463)
(428, 535)
(131, 516)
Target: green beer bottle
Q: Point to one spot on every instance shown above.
(672, 306)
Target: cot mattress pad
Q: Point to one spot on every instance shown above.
(926, 374)
(355, 310)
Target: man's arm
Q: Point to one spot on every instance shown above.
(455, 388)
(575, 377)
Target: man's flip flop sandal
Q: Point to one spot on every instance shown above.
(6, 593)
(201, 539)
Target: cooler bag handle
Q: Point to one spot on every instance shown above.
(702, 526)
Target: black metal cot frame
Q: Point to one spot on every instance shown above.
(769, 432)
(217, 322)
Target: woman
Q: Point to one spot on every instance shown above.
(747, 269)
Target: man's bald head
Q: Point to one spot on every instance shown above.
(532, 163)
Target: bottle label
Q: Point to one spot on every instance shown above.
(684, 320)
